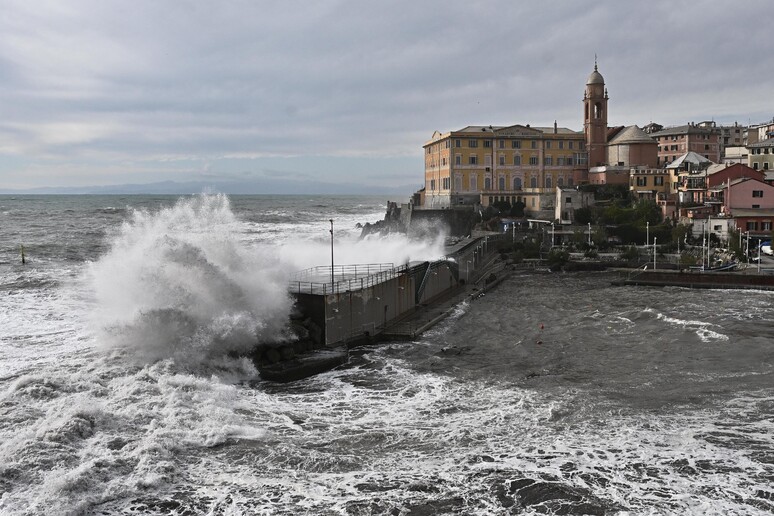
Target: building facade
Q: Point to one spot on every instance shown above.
(487, 164)
(652, 183)
(761, 155)
(675, 141)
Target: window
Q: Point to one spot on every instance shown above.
(765, 165)
(548, 182)
(752, 226)
(569, 181)
(571, 145)
(570, 160)
(487, 183)
(458, 183)
(548, 161)
(517, 160)
(517, 183)
(473, 160)
(448, 143)
(756, 206)
(488, 144)
(568, 200)
(502, 160)
(458, 159)
(501, 182)
(642, 181)
(658, 181)
(534, 144)
(548, 144)
(757, 193)
(458, 143)
(443, 162)
(533, 160)
(533, 183)
(755, 166)
(445, 183)
(473, 183)
(560, 161)
(717, 228)
(472, 143)
(488, 160)
(766, 226)
(432, 184)
(516, 144)
(501, 144)
(560, 181)
(561, 145)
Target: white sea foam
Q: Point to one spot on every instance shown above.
(701, 328)
(178, 283)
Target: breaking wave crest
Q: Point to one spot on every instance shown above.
(178, 283)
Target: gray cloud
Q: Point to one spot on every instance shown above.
(95, 92)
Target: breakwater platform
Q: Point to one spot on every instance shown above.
(698, 279)
(347, 305)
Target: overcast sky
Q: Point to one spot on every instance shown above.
(346, 92)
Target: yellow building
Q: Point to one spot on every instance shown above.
(652, 183)
(486, 164)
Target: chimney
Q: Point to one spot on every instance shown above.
(554, 126)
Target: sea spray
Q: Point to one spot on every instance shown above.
(178, 283)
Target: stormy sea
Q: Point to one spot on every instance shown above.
(122, 390)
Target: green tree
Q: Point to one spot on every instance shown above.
(583, 215)
(517, 210)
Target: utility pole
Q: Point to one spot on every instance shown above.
(654, 253)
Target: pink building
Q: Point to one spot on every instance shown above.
(751, 203)
(675, 141)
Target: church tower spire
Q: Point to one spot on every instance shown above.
(595, 117)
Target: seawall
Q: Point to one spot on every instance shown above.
(719, 280)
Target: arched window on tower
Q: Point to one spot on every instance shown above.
(598, 110)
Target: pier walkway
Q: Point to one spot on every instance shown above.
(439, 308)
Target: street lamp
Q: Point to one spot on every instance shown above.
(747, 247)
(647, 233)
(332, 282)
(589, 234)
(654, 253)
(552, 235)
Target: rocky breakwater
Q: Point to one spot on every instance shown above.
(391, 223)
(302, 355)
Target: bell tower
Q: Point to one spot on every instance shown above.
(595, 118)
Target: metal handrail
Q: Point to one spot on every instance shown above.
(354, 277)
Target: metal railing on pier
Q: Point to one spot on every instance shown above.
(317, 280)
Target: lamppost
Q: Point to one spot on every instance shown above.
(654, 253)
(759, 255)
(647, 233)
(589, 234)
(552, 235)
(332, 282)
(747, 247)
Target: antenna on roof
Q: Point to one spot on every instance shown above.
(595, 61)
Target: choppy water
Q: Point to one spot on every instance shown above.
(553, 394)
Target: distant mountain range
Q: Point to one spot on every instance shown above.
(252, 187)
